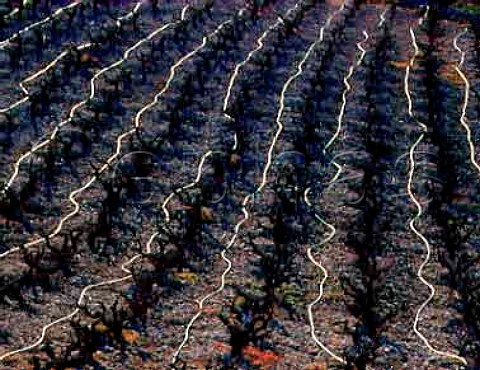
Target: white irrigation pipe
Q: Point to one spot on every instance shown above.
(80, 301)
(55, 14)
(420, 208)
(322, 282)
(119, 141)
(331, 182)
(183, 188)
(405, 155)
(225, 106)
(37, 74)
(57, 59)
(463, 118)
(148, 250)
(240, 65)
(23, 157)
(196, 181)
(152, 237)
(405, 194)
(263, 183)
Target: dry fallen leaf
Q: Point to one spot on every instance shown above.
(234, 159)
(264, 359)
(448, 72)
(189, 277)
(401, 64)
(199, 364)
(207, 214)
(130, 336)
(317, 366)
(101, 328)
(100, 357)
(221, 347)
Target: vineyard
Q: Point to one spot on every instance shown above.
(230, 184)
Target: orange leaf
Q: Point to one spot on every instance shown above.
(257, 357)
(448, 72)
(100, 357)
(199, 364)
(130, 336)
(220, 346)
(316, 366)
(401, 64)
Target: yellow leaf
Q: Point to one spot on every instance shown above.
(101, 328)
(207, 214)
(188, 277)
